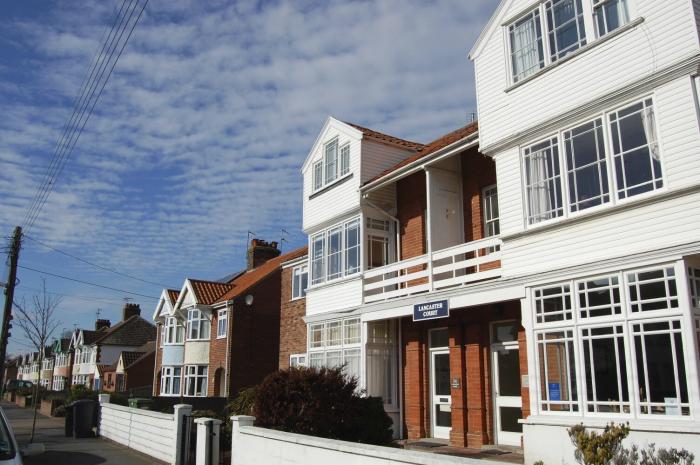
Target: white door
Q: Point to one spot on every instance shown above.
(445, 210)
(440, 395)
(508, 402)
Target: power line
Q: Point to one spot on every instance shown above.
(72, 296)
(126, 275)
(87, 282)
(66, 145)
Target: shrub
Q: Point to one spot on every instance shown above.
(79, 392)
(242, 404)
(320, 402)
(118, 399)
(59, 411)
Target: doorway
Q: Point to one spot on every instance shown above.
(446, 217)
(508, 402)
(440, 395)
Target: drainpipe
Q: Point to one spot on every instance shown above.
(428, 227)
(396, 222)
(229, 329)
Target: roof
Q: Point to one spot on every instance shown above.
(386, 139)
(254, 276)
(129, 357)
(173, 294)
(144, 356)
(90, 336)
(102, 368)
(208, 292)
(432, 147)
(134, 331)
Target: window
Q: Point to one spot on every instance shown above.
(345, 159)
(694, 284)
(565, 27)
(553, 304)
(490, 206)
(198, 325)
(526, 49)
(587, 173)
(335, 252)
(173, 331)
(336, 343)
(543, 181)
(318, 175)
(297, 360)
(605, 368)
(196, 380)
(300, 281)
(635, 149)
(609, 15)
(652, 290)
(221, 323)
(599, 297)
(331, 161)
(634, 164)
(382, 361)
(378, 250)
(170, 381)
(557, 371)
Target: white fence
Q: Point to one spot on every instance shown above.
(152, 433)
(252, 445)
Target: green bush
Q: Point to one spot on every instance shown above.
(79, 392)
(320, 402)
(118, 399)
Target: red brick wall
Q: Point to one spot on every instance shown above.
(255, 335)
(140, 374)
(478, 171)
(292, 326)
(411, 204)
(470, 363)
(217, 356)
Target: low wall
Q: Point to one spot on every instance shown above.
(23, 401)
(252, 445)
(551, 444)
(48, 406)
(9, 396)
(152, 433)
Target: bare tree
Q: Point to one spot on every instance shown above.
(38, 325)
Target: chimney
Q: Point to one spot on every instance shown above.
(130, 310)
(261, 251)
(101, 324)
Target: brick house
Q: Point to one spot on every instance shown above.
(228, 330)
(295, 277)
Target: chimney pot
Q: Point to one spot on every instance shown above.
(130, 310)
(261, 251)
(102, 324)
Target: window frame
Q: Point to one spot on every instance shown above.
(196, 375)
(298, 288)
(222, 329)
(202, 321)
(168, 377)
(322, 175)
(173, 331)
(610, 165)
(489, 198)
(298, 360)
(346, 347)
(323, 262)
(601, 4)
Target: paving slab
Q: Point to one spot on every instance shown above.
(61, 450)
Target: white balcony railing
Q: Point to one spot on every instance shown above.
(454, 266)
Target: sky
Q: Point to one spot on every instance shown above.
(201, 132)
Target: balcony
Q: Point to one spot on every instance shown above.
(447, 268)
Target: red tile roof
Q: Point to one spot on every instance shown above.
(173, 295)
(208, 292)
(387, 139)
(252, 277)
(432, 147)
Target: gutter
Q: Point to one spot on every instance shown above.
(419, 165)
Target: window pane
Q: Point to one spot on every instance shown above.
(543, 181)
(316, 335)
(526, 50)
(555, 357)
(565, 27)
(586, 166)
(352, 362)
(378, 251)
(316, 359)
(304, 281)
(318, 175)
(352, 331)
(439, 338)
(605, 369)
(653, 290)
(317, 256)
(334, 328)
(333, 358)
(599, 297)
(635, 150)
(331, 159)
(490, 206)
(335, 237)
(352, 247)
(296, 283)
(345, 159)
(609, 15)
(553, 304)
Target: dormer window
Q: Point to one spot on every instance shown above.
(527, 53)
(334, 165)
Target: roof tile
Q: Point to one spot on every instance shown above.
(387, 139)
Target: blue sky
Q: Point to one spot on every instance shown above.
(202, 129)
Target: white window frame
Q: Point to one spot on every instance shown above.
(348, 345)
(331, 161)
(321, 261)
(599, 5)
(298, 287)
(490, 210)
(297, 360)
(333, 166)
(196, 373)
(222, 323)
(196, 318)
(167, 381)
(658, 183)
(173, 331)
(344, 159)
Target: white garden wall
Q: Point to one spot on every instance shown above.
(252, 445)
(152, 433)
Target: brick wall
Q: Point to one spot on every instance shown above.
(217, 357)
(470, 364)
(158, 363)
(140, 374)
(478, 171)
(411, 204)
(292, 326)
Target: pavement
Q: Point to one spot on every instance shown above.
(61, 450)
(512, 455)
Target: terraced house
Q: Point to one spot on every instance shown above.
(589, 110)
(217, 337)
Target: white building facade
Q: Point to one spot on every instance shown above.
(590, 111)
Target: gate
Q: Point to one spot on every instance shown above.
(188, 441)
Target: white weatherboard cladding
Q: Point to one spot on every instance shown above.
(376, 158)
(343, 295)
(667, 35)
(151, 433)
(173, 355)
(677, 126)
(336, 199)
(197, 352)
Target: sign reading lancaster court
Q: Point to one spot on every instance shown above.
(431, 310)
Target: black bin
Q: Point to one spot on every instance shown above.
(69, 421)
(84, 418)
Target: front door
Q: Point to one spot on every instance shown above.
(506, 384)
(446, 210)
(440, 395)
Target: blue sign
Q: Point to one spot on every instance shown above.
(554, 391)
(431, 310)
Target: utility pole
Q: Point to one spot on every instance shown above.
(9, 300)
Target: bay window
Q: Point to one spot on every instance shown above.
(336, 343)
(170, 381)
(198, 325)
(196, 380)
(613, 344)
(620, 146)
(173, 331)
(300, 281)
(335, 252)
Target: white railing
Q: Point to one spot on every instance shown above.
(454, 266)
